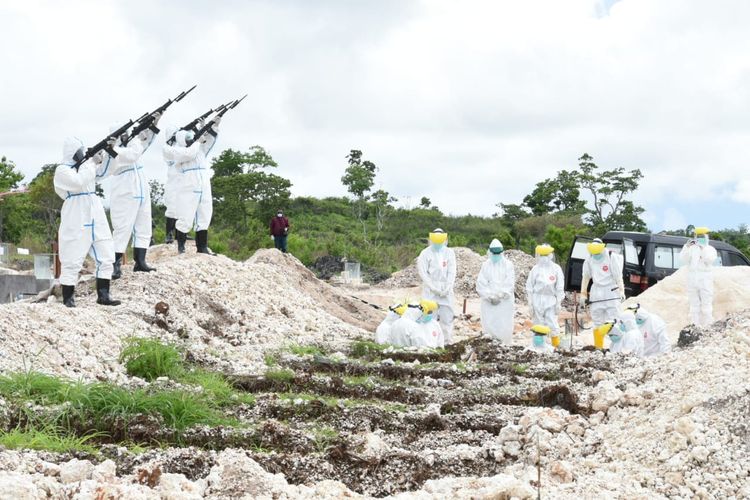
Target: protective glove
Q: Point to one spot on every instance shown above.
(98, 157)
(143, 136)
(494, 299)
(216, 121)
(445, 291)
(622, 292)
(273, 237)
(582, 300)
(503, 295)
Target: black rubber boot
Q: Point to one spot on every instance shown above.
(139, 256)
(102, 293)
(170, 230)
(68, 291)
(201, 241)
(181, 238)
(117, 267)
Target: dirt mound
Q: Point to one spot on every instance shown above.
(225, 313)
(669, 299)
(468, 264)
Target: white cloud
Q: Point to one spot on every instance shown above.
(469, 103)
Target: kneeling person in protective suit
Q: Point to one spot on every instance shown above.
(437, 269)
(539, 342)
(383, 332)
(83, 225)
(545, 289)
(130, 200)
(654, 330)
(604, 268)
(624, 335)
(194, 200)
(431, 334)
(495, 285)
(406, 328)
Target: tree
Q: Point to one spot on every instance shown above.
(359, 177)
(609, 189)
(47, 203)
(425, 202)
(382, 200)
(560, 194)
(243, 190)
(9, 179)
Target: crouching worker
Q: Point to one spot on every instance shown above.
(431, 334)
(539, 342)
(624, 335)
(83, 225)
(654, 330)
(406, 328)
(383, 332)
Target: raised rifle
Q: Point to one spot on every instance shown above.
(146, 121)
(208, 126)
(104, 145)
(193, 125)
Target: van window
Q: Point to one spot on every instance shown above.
(734, 259)
(631, 253)
(664, 257)
(579, 250)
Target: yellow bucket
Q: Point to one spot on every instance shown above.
(555, 341)
(599, 333)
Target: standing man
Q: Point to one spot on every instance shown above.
(604, 268)
(170, 187)
(437, 268)
(700, 259)
(83, 225)
(193, 200)
(130, 200)
(495, 285)
(545, 289)
(279, 230)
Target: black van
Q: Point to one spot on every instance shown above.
(648, 258)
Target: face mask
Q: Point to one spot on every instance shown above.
(78, 155)
(615, 337)
(437, 246)
(622, 327)
(426, 318)
(702, 240)
(189, 138)
(598, 256)
(538, 340)
(542, 259)
(279, 214)
(640, 321)
(496, 257)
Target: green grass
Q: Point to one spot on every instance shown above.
(150, 359)
(49, 439)
(367, 348)
(302, 350)
(323, 437)
(519, 369)
(271, 359)
(281, 375)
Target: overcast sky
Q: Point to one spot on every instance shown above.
(469, 103)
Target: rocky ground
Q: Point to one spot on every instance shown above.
(343, 418)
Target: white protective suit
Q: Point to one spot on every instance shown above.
(405, 329)
(170, 187)
(654, 330)
(383, 332)
(607, 277)
(430, 335)
(700, 261)
(497, 279)
(545, 288)
(193, 195)
(631, 340)
(130, 197)
(437, 268)
(545, 348)
(83, 225)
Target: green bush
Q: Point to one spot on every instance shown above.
(150, 359)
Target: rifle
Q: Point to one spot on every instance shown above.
(103, 145)
(193, 125)
(146, 121)
(208, 126)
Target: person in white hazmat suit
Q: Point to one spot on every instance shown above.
(700, 258)
(130, 200)
(193, 199)
(431, 334)
(405, 329)
(539, 342)
(495, 285)
(83, 225)
(170, 187)
(437, 269)
(604, 268)
(624, 335)
(654, 330)
(383, 332)
(545, 289)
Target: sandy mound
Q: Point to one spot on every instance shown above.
(468, 264)
(669, 297)
(225, 313)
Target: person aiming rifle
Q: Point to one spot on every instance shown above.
(193, 199)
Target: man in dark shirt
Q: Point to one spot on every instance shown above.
(279, 230)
